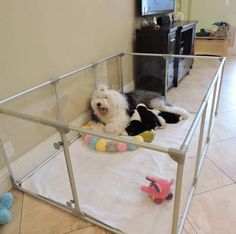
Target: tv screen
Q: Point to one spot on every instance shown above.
(156, 7)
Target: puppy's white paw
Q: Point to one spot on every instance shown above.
(162, 121)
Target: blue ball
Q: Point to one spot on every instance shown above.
(5, 216)
(132, 147)
(94, 141)
(7, 200)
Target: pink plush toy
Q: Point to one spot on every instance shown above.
(159, 189)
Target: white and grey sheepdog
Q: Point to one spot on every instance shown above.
(114, 109)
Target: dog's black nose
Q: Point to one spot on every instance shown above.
(99, 104)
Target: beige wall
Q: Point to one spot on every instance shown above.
(42, 39)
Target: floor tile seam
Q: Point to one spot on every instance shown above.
(80, 229)
(21, 213)
(225, 173)
(192, 225)
(218, 141)
(211, 190)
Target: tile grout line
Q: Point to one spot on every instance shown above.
(221, 170)
(79, 229)
(21, 213)
(217, 141)
(192, 225)
(211, 190)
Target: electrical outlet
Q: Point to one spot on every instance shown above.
(9, 150)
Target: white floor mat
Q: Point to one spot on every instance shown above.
(108, 184)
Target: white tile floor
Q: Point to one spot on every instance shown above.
(213, 207)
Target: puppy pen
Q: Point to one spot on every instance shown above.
(42, 125)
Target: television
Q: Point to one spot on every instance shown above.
(156, 7)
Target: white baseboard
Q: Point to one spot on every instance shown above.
(29, 161)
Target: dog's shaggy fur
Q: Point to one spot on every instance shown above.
(113, 108)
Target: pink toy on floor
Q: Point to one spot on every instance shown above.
(159, 189)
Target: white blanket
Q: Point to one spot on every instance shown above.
(108, 184)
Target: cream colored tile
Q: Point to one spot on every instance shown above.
(90, 230)
(211, 177)
(40, 217)
(188, 228)
(214, 212)
(225, 126)
(223, 155)
(13, 226)
(225, 106)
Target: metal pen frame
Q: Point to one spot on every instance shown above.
(178, 155)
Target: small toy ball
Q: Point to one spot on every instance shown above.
(101, 145)
(94, 141)
(5, 204)
(88, 138)
(111, 146)
(147, 136)
(5, 216)
(7, 200)
(132, 147)
(121, 147)
(138, 138)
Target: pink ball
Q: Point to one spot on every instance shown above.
(121, 147)
(88, 138)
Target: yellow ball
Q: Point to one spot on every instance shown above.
(101, 145)
(138, 138)
(148, 136)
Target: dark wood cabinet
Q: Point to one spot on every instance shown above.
(175, 38)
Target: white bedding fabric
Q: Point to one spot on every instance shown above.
(109, 183)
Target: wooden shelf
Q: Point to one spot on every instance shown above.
(211, 46)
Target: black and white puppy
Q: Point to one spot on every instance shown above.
(113, 108)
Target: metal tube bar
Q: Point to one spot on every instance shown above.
(58, 103)
(166, 77)
(86, 67)
(73, 72)
(212, 112)
(121, 72)
(190, 133)
(181, 225)
(187, 205)
(70, 172)
(178, 187)
(199, 149)
(67, 127)
(94, 76)
(220, 85)
(174, 56)
(25, 92)
(66, 151)
(108, 58)
(205, 100)
(6, 160)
